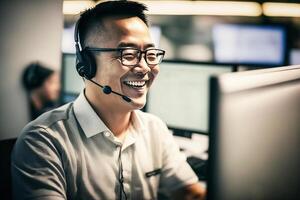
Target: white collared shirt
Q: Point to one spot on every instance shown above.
(69, 153)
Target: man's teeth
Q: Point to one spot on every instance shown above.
(135, 83)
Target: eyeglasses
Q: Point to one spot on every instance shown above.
(131, 56)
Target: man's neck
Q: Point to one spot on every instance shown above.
(116, 120)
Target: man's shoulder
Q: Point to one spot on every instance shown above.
(53, 116)
(52, 128)
(50, 119)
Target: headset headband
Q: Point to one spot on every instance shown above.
(77, 37)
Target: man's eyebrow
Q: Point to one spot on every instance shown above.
(149, 45)
(146, 46)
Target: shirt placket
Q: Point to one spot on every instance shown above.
(126, 160)
(127, 163)
(127, 173)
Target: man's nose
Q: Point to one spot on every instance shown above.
(142, 65)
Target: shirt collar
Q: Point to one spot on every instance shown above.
(88, 119)
(137, 122)
(90, 122)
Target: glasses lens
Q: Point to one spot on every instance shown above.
(130, 57)
(154, 56)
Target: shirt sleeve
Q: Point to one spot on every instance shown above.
(176, 172)
(37, 170)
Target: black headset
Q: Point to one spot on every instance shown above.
(85, 62)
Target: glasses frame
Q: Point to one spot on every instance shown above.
(121, 49)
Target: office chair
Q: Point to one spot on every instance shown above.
(6, 147)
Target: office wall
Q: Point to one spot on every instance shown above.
(30, 30)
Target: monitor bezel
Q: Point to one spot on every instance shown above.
(218, 90)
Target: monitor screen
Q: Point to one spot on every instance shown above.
(255, 140)
(72, 83)
(180, 96)
(249, 44)
(67, 42)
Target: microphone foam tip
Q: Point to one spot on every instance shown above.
(106, 89)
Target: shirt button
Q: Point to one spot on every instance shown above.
(107, 134)
(126, 186)
(125, 173)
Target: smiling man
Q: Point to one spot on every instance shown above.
(101, 146)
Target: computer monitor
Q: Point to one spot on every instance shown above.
(255, 135)
(294, 57)
(249, 44)
(180, 95)
(72, 83)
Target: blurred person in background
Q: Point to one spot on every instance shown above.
(43, 88)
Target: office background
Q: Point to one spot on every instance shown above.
(35, 30)
(30, 30)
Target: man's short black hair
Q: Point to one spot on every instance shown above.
(92, 18)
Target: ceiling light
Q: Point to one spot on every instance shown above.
(75, 7)
(281, 9)
(230, 8)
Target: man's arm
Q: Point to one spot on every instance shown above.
(37, 171)
(178, 178)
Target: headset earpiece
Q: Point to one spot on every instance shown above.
(86, 66)
(85, 62)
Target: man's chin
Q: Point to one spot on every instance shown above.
(138, 103)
